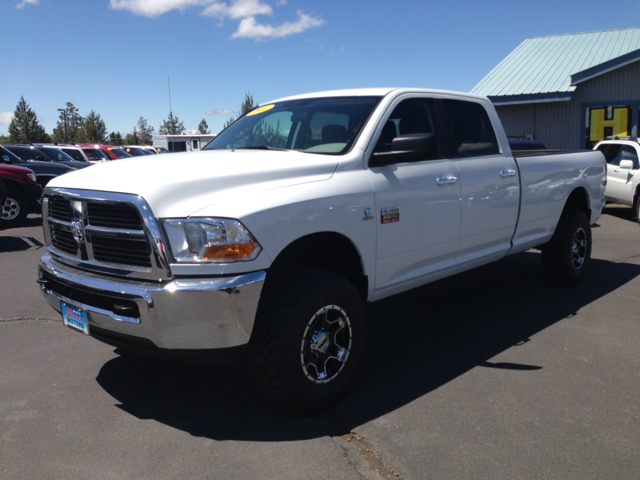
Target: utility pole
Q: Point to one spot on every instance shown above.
(64, 112)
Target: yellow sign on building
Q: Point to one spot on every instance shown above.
(602, 125)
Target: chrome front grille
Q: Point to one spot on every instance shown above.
(118, 215)
(105, 232)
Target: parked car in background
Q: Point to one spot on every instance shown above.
(22, 194)
(45, 154)
(44, 170)
(112, 152)
(623, 171)
(81, 153)
(526, 145)
(136, 150)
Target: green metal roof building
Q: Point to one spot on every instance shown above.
(569, 91)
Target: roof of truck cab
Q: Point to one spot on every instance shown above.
(373, 92)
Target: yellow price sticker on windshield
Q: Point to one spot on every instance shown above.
(260, 110)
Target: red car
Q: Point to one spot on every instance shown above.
(22, 194)
(113, 152)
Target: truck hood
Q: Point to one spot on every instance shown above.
(179, 184)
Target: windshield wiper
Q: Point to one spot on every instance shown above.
(259, 147)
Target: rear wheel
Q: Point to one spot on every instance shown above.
(308, 341)
(566, 258)
(14, 209)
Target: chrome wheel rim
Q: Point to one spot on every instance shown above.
(579, 249)
(326, 344)
(10, 209)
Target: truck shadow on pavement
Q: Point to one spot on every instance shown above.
(419, 341)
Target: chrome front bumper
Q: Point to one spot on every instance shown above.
(185, 314)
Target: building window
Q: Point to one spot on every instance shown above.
(607, 121)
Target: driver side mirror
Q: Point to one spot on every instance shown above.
(6, 159)
(626, 164)
(407, 148)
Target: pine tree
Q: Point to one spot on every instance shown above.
(115, 138)
(132, 138)
(145, 132)
(24, 127)
(247, 105)
(93, 129)
(203, 127)
(171, 126)
(74, 126)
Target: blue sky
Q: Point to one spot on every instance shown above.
(115, 56)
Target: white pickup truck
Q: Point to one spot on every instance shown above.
(270, 241)
(623, 171)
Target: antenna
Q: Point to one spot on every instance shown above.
(169, 82)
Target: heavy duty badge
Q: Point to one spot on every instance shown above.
(389, 215)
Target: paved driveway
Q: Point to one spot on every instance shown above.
(489, 374)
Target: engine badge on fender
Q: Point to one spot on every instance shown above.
(389, 215)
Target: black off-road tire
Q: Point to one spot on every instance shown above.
(304, 313)
(15, 209)
(567, 256)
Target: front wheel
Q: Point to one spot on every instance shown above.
(15, 209)
(308, 340)
(566, 258)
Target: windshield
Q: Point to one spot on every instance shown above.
(95, 154)
(314, 125)
(118, 152)
(56, 155)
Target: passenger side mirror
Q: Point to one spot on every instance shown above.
(626, 164)
(407, 148)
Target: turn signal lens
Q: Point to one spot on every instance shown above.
(228, 252)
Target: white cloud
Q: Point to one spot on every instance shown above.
(237, 9)
(249, 28)
(243, 10)
(219, 111)
(5, 118)
(153, 8)
(27, 2)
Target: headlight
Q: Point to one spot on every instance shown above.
(210, 240)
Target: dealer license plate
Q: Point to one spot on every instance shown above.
(75, 317)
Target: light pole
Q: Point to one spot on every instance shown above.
(64, 112)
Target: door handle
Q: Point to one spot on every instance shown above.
(447, 181)
(507, 173)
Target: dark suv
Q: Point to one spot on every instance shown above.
(44, 154)
(44, 170)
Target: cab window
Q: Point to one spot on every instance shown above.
(471, 129)
(412, 117)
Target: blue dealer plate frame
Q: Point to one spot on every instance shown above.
(75, 318)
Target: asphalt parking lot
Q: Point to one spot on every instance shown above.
(490, 374)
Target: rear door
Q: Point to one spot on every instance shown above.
(619, 180)
(489, 183)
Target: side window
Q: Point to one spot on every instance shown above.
(610, 153)
(471, 128)
(629, 153)
(412, 117)
(28, 153)
(74, 154)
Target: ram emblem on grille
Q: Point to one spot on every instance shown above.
(76, 228)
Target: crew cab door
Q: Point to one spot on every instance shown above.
(620, 180)
(417, 195)
(489, 183)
